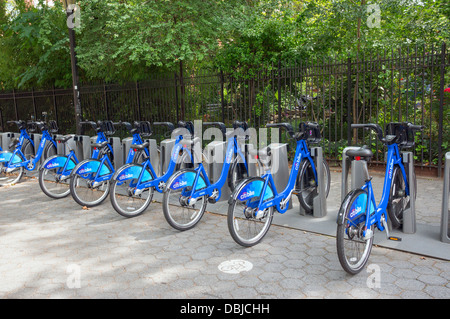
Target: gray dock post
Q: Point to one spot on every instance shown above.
(320, 200)
(445, 222)
(409, 214)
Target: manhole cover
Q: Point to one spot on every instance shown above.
(235, 266)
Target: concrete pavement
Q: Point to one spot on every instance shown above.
(56, 249)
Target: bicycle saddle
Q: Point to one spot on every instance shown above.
(99, 145)
(140, 146)
(363, 152)
(64, 139)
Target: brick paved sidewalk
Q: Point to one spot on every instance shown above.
(55, 249)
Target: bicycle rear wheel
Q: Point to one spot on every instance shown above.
(353, 249)
(238, 171)
(307, 186)
(397, 198)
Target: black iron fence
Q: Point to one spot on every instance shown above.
(396, 86)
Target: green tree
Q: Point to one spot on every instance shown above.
(33, 47)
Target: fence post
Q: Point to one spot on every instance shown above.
(182, 92)
(34, 104)
(106, 101)
(54, 104)
(176, 95)
(1, 121)
(441, 108)
(279, 91)
(349, 101)
(15, 105)
(138, 100)
(222, 99)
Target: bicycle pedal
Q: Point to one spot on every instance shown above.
(393, 238)
(212, 200)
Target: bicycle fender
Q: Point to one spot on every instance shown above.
(185, 178)
(131, 171)
(5, 156)
(57, 161)
(91, 166)
(357, 209)
(250, 188)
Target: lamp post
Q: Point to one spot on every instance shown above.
(73, 58)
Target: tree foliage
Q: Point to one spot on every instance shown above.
(130, 40)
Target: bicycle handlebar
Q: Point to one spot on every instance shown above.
(238, 124)
(220, 125)
(169, 125)
(287, 126)
(388, 139)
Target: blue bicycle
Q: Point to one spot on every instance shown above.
(359, 214)
(54, 173)
(89, 179)
(188, 191)
(252, 203)
(133, 185)
(13, 164)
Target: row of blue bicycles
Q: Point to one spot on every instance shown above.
(186, 187)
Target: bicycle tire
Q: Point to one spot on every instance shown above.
(80, 183)
(237, 217)
(348, 231)
(139, 206)
(8, 179)
(238, 172)
(46, 190)
(306, 186)
(49, 150)
(397, 198)
(172, 204)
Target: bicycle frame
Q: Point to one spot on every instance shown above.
(393, 158)
(232, 149)
(66, 164)
(100, 171)
(31, 163)
(143, 181)
(275, 198)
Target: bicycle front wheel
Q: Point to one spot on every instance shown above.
(10, 178)
(353, 248)
(125, 201)
(179, 211)
(85, 192)
(246, 226)
(51, 183)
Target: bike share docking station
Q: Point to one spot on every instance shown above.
(6, 139)
(445, 221)
(152, 150)
(320, 199)
(360, 173)
(215, 153)
(277, 160)
(166, 146)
